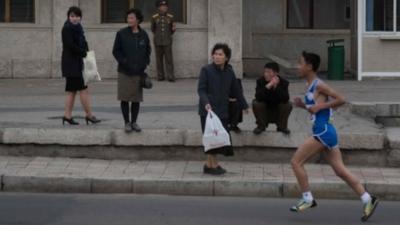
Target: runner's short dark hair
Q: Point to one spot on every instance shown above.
(312, 59)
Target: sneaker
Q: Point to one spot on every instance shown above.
(258, 130)
(369, 208)
(303, 205)
(285, 131)
(136, 127)
(213, 171)
(128, 128)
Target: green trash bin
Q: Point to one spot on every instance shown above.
(336, 59)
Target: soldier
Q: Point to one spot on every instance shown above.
(163, 27)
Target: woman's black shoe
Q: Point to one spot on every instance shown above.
(92, 120)
(69, 121)
(213, 171)
(222, 170)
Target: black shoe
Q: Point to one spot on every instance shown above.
(171, 80)
(258, 130)
(69, 121)
(283, 130)
(92, 120)
(222, 170)
(128, 128)
(160, 79)
(235, 129)
(213, 171)
(135, 127)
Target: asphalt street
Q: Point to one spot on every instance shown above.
(77, 209)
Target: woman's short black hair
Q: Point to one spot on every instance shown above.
(225, 48)
(138, 14)
(273, 66)
(312, 59)
(75, 10)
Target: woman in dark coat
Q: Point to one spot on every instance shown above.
(217, 84)
(74, 50)
(132, 52)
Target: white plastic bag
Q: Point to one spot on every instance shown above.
(90, 72)
(215, 135)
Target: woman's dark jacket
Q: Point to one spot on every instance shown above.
(132, 51)
(74, 50)
(215, 87)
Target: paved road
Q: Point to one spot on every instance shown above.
(31, 209)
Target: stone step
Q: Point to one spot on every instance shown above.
(163, 144)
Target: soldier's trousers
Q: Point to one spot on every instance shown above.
(165, 52)
(278, 114)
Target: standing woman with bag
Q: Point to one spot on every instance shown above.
(217, 83)
(74, 50)
(132, 52)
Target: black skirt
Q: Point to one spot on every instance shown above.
(226, 150)
(74, 84)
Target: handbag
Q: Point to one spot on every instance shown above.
(145, 81)
(90, 72)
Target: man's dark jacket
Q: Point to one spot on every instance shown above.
(272, 97)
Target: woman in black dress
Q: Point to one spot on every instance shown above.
(217, 84)
(75, 49)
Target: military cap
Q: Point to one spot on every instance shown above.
(161, 2)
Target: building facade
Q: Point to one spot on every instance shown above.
(257, 30)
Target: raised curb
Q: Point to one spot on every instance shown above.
(199, 187)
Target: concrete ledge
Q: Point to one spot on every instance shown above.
(200, 187)
(248, 188)
(56, 136)
(373, 110)
(149, 138)
(5, 68)
(189, 138)
(362, 141)
(174, 187)
(390, 191)
(393, 136)
(46, 184)
(111, 185)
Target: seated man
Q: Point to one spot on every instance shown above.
(272, 101)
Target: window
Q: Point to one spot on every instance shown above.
(17, 11)
(318, 14)
(380, 15)
(113, 11)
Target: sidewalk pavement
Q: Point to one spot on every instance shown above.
(40, 174)
(40, 104)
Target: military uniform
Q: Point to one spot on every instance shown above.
(162, 26)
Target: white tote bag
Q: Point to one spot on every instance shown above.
(90, 73)
(215, 135)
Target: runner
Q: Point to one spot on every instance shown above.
(320, 99)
